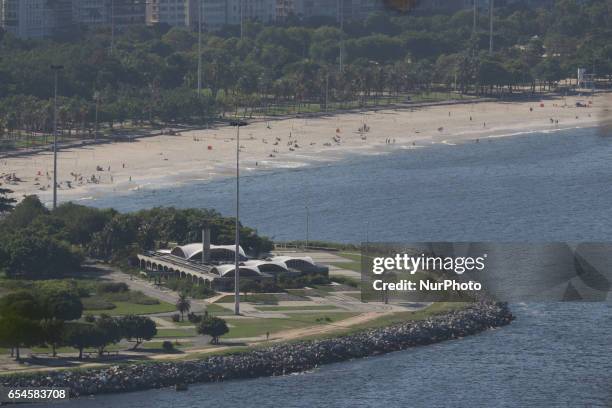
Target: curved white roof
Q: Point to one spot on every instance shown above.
(224, 270)
(194, 250)
(256, 263)
(284, 259)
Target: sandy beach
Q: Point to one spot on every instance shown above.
(163, 161)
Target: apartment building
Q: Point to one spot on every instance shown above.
(35, 18)
(175, 13)
(104, 12)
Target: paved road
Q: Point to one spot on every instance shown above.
(149, 289)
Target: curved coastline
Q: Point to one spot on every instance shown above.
(276, 360)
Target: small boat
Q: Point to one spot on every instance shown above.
(181, 387)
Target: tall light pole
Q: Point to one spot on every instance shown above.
(56, 69)
(112, 21)
(199, 47)
(491, 27)
(475, 10)
(307, 227)
(97, 99)
(341, 15)
(241, 20)
(238, 124)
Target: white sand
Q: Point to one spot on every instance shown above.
(171, 160)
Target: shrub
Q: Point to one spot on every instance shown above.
(96, 303)
(168, 346)
(194, 318)
(176, 317)
(112, 287)
(142, 299)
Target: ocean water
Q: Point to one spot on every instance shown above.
(540, 187)
(535, 188)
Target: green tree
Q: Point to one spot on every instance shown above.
(247, 286)
(52, 332)
(81, 336)
(22, 304)
(38, 256)
(17, 332)
(214, 327)
(139, 328)
(29, 209)
(109, 332)
(183, 305)
(61, 305)
(6, 203)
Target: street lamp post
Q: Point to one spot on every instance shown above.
(491, 27)
(241, 20)
(199, 47)
(238, 124)
(112, 21)
(307, 227)
(341, 16)
(56, 69)
(97, 100)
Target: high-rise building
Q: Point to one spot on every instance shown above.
(348, 9)
(104, 12)
(217, 13)
(35, 18)
(171, 12)
(126, 13)
(91, 12)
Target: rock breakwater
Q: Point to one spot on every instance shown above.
(274, 360)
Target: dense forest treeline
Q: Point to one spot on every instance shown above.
(38, 243)
(151, 73)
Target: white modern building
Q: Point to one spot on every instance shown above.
(213, 265)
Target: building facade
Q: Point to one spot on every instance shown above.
(35, 18)
(175, 13)
(122, 13)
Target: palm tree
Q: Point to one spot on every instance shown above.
(183, 305)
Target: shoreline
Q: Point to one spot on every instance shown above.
(205, 155)
(276, 360)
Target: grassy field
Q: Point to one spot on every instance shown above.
(253, 298)
(124, 308)
(217, 310)
(294, 308)
(241, 328)
(163, 333)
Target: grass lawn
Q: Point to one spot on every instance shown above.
(179, 323)
(217, 310)
(252, 298)
(240, 328)
(353, 256)
(351, 266)
(356, 295)
(175, 333)
(124, 308)
(294, 308)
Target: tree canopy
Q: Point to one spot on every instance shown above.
(152, 73)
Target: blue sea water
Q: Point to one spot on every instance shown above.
(536, 188)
